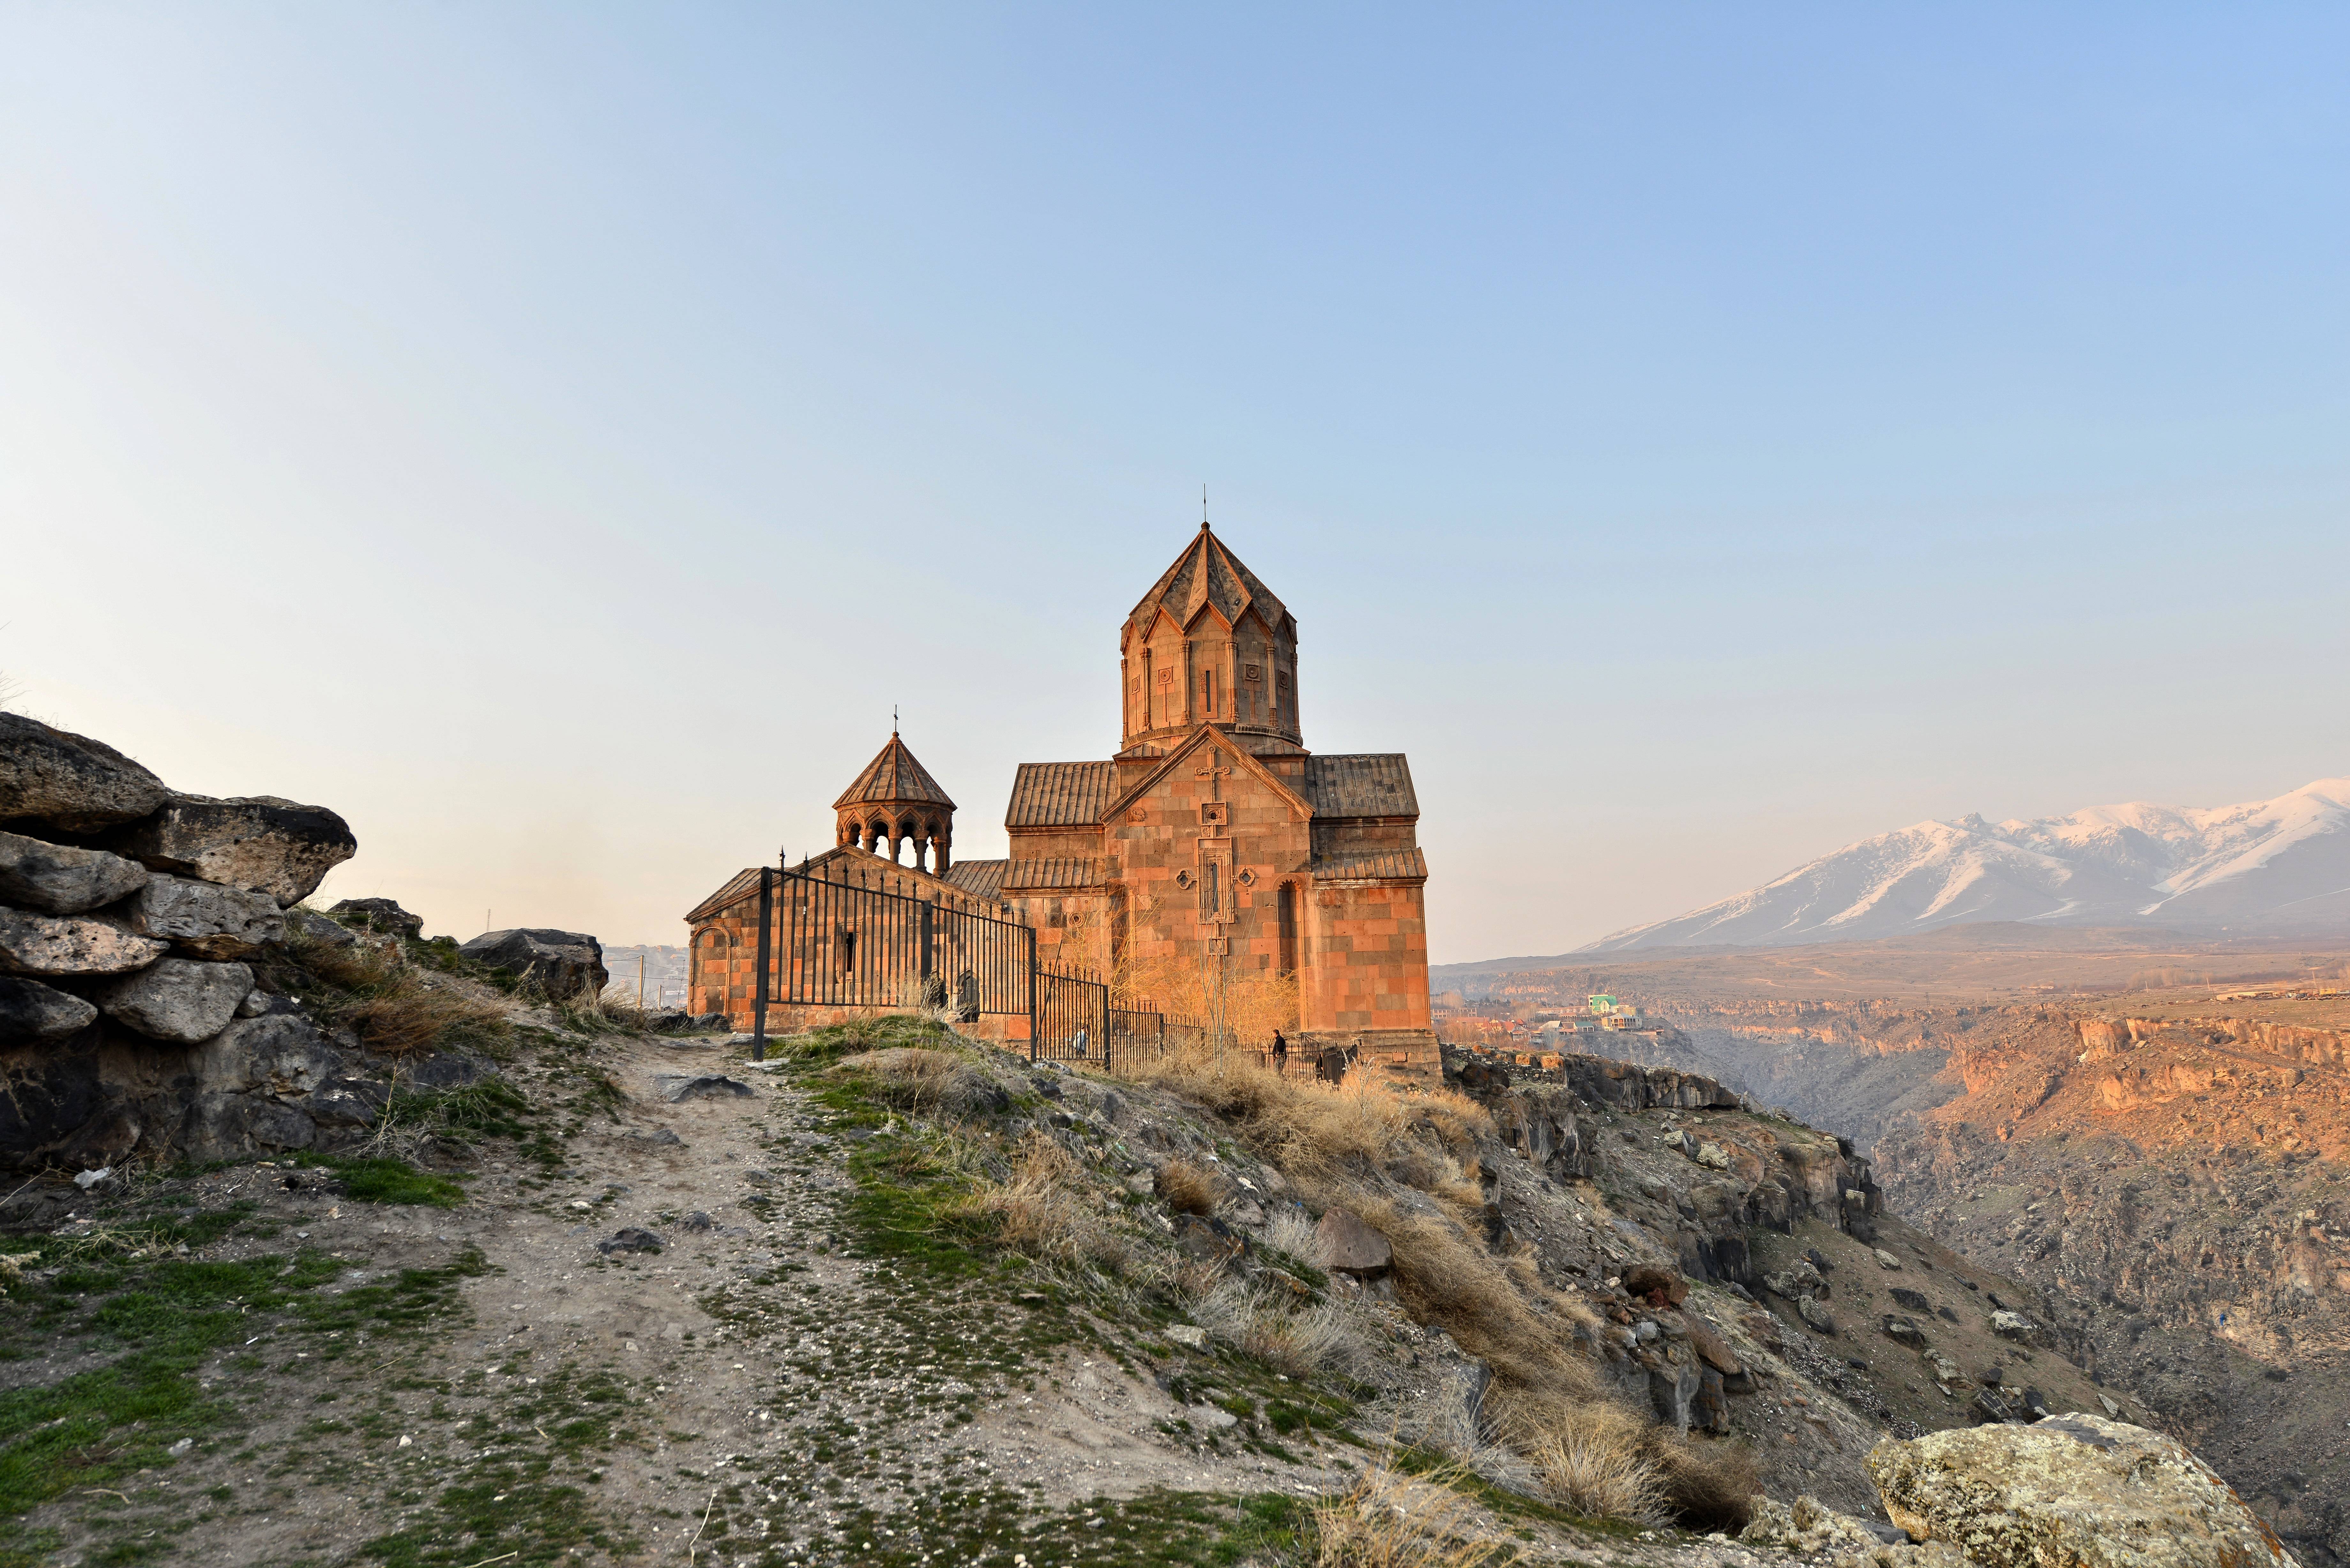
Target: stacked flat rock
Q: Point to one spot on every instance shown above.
(128, 1011)
(558, 964)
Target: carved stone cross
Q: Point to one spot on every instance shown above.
(1214, 773)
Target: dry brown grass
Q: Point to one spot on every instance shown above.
(917, 1079)
(1046, 1210)
(1186, 1188)
(397, 1009)
(1308, 1127)
(1390, 1520)
(1597, 1463)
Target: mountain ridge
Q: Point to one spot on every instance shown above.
(2271, 864)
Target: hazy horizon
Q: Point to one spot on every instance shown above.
(554, 438)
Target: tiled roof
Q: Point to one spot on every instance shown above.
(743, 884)
(1367, 783)
(1207, 574)
(1057, 871)
(891, 777)
(980, 878)
(1060, 795)
(1362, 865)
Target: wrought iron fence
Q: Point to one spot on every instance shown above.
(1073, 1020)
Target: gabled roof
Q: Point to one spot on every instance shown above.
(980, 878)
(1054, 871)
(1207, 574)
(893, 778)
(1366, 784)
(1060, 795)
(1179, 755)
(1371, 864)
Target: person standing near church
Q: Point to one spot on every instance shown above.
(1280, 1054)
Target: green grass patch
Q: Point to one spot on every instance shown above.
(164, 1318)
(375, 1180)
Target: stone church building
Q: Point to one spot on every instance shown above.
(1213, 837)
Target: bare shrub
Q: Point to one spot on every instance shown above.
(397, 1010)
(1043, 1210)
(1711, 1484)
(1291, 1232)
(1186, 1188)
(1390, 1520)
(1451, 1421)
(1299, 1340)
(1595, 1463)
(1308, 1127)
(914, 1078)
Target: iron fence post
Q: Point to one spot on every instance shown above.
(766, 950)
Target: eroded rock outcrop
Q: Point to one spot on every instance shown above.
(2072, 1492)
(130, 1017)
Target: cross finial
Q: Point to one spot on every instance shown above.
(893, 721)
(1203, 509)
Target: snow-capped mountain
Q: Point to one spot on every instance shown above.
(2280, 865)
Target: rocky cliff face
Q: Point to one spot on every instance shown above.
(138, 929)
(2177, 1191)
(1817, 1322)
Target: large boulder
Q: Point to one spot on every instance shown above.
(31, 1011)
(71, 944)
(560, 963)
(380, 915)
(68, 783)
(61, 880)
(179, 1000)
(1349, 1246)
(258, 843)
(2074, 1491)
(204, 918)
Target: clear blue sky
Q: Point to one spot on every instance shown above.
(1701, 435)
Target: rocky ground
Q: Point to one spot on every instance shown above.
(591, 1323)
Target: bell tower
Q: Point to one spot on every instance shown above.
(895, 804)
(1209, 644)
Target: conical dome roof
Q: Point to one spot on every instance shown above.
(893, 778)
(1208, 574)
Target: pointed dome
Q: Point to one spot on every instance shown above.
(1207, 574)
(1209, 644)
(894, 778)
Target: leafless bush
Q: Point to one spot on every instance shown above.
(1186, 1188)
(917, 1079)
(1046, 1210)
(397, 1007)
(1292, 1232)
(1389, 1520)
(1595, 1464)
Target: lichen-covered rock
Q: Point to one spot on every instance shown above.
(1811, 1528)
(68, 783)
(380, 915)
(204, 918)
(560, 963)
(304, 922)
(179, 1000)
(259, 843)
(2074, 1491)
(31, 1011)
(59, 879)
(72, 944)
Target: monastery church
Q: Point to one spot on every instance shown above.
(1213, 837)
